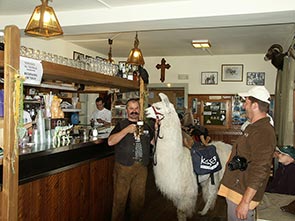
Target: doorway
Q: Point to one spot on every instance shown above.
(177, 94)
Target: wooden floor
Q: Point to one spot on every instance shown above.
(158, 208)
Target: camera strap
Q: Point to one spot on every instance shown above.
(236, 149)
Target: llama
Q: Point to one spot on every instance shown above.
(174, 175)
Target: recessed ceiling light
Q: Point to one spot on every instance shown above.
(201, 43)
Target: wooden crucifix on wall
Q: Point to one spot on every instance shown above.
(163, 66)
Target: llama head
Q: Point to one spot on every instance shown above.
(159, 109)
(187, 119)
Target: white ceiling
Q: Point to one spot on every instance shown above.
(165, 27)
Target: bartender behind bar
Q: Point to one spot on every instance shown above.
(101, 116)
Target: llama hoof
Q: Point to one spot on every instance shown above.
(181, 215)
(203, 213)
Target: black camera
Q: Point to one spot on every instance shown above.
(238, 162)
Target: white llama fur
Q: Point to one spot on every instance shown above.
(174, 175)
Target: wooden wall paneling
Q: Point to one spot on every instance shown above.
(24, 196)
(71, 201)
(63, 196)
(48, 198)
(227, 136)
(82, 193)
(101, 181)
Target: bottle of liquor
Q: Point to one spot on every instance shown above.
(135, 77)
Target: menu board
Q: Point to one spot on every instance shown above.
(215, 113)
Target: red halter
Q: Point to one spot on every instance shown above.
(158, 114)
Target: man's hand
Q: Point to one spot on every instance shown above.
(117, 137)
(243, 207)
(101, 121)
(131, 128)
(242, 210)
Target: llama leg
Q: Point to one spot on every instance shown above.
(209, 193)
(181, 215)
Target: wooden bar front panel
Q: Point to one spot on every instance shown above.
(81, 193)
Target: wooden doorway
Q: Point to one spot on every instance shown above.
(177, 95)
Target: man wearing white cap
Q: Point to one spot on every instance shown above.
(249, 165)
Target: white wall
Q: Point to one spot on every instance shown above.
(194, 65)
(190, 65)
(56, 46)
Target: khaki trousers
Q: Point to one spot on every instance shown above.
(129, 181)
(231, 213)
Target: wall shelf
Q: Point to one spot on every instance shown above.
(68, 74)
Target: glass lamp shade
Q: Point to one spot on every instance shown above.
(43, 22)
(135, 57)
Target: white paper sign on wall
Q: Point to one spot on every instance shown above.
(32, 70)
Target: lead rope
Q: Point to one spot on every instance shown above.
(157, 135)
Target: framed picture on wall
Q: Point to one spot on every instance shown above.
(215, 113)
(179, 102)
(255, 78)
(209, 77)
(232, 72)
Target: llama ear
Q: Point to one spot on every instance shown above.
(164, 99)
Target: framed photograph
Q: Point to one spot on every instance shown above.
(238, 111)
(78, 55)
(209, 77)
(255, 78)
(232, 72)
(179, 102)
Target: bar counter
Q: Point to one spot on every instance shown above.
(42, 160)
(71, 182)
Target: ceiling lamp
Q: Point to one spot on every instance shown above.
(201, 43)
(110, 57)
(43, 22)
(135, 56)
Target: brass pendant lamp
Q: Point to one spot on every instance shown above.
(135, 56)
(43, 22)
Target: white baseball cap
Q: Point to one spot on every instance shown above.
(258, 92)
